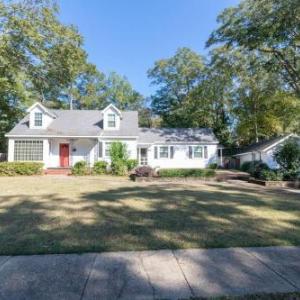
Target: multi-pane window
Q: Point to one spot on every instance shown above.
(28, 150)
(38, 119)
(163, 152)
(107, 149)
(197, 152)
(111, 120)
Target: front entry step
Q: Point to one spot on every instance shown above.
(58, 171)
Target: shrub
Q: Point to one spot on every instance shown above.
(288, 156)
(248, 166)
(80, 168)
(119, 167)
(119, 157)
(258, 168)
(271, 175)
(131, 164)
(144, 171)
(100, 167)
(186, 173)
(20, 168)
(213, 166)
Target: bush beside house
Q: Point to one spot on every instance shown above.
(288, 158)
(20, 168)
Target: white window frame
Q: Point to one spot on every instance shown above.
(38, 121)
(107, 148)
(33, 153)
(159, 152)
(201, 152)
(109, 121)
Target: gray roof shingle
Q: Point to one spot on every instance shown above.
(176, 135)
(79, 123)
(260, 146)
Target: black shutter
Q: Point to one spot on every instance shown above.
(205, 152)
(155, 152)
(171, 152)
(100, 150)
(190, 152)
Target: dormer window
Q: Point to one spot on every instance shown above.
(38, 119)
(111, 120)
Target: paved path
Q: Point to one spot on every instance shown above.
(163, 274)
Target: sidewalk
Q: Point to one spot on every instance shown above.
(163, 274)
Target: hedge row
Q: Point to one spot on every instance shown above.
(20, 168)
(187, 173)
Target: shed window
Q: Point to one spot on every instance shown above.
(38, 119)
(28, 150)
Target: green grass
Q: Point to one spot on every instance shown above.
(45, 214)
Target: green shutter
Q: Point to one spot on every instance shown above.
(100, 150)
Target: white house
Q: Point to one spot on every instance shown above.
(264, 150)
(60, 138)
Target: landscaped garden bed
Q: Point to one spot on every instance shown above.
(274, 183)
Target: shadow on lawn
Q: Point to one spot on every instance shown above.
(138, 218)
(145, 217)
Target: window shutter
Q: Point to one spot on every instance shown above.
(171, 152)
(155, 152)
(100, 150)
(205, 152)
(190, 152)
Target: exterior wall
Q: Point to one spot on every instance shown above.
(80, 149)
(46, 118)
(181, 157)
(131, 147)
(267, 157)
(244, 158)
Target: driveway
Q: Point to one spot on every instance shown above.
(162, 274)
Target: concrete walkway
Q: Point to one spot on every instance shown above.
(163, 274)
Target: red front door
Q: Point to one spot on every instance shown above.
(64, 155)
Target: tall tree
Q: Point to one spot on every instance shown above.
(269, 28)
(39, 57)
(175, 78)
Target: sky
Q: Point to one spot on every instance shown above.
(128, 36)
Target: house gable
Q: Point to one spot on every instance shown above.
(39, 116)
(111, 118)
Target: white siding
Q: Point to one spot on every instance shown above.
(46, 118)
(131, 147)
(80, 149)
(105, 118)
(181, 158)
(267, 157)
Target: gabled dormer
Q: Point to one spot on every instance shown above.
(39, 116)
(111, 118)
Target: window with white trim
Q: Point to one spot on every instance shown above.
(38, 119)
(196, 152)
(163, 152)
(111, 120)
(107, 149)
(28, 150)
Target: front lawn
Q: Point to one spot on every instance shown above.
(46, 214)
